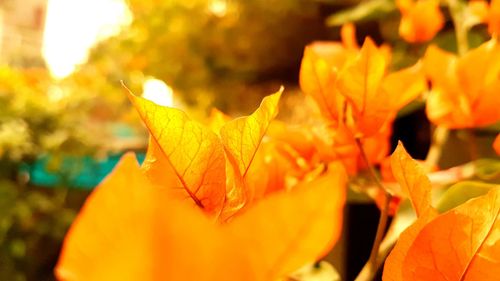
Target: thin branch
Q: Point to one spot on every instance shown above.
(372, 266)
(439, 138)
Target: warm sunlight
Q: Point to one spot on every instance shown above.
(158, 92)
(378, 159)
(69, 33)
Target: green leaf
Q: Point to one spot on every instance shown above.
(459, 193)
(487, 169)
(366, 10)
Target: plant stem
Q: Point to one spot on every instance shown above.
(439, 138)
(456, 11)
(371, 267)
(368, 165)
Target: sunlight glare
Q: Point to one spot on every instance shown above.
(72, 27)
(158, 92)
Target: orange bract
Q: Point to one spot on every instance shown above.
(412, 178)
(417, 187)
(464, 89)
(461, 244)
(494, 18)
(471, 248)
(356, 96)
(373, 96)
(129, 230)
(420, 19)
(318, 75)
(393, 267)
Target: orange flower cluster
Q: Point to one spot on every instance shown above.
(356, 93)
(465, 88)
(421, 20)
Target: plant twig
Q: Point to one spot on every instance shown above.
(439, 138)
(371, 267)
(456, 11)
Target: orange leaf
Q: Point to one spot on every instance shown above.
(393, 266)
(374, 97)
(194, 153)
(361, 78)
(287, 229)
(129, 230)
(461, 244)
(318, 75)
(494, 18)
(403, 86)
(413, 180)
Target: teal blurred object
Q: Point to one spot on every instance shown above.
(78, 172)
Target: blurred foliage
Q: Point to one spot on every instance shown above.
(33, 223)
(211, 52)
(38, 117)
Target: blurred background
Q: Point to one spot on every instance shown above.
(65, 121)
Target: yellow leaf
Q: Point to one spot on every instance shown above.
(241, 138)
(193, 151)
(217, 120)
